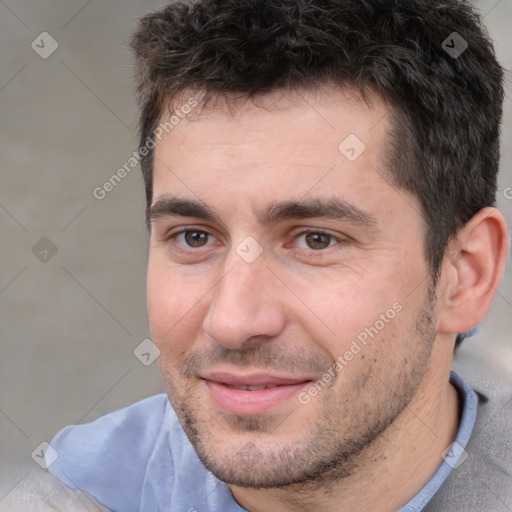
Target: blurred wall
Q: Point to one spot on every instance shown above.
(72, 273)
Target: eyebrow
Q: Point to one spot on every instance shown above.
(175, 206)
(334, 208)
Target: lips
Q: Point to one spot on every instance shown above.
(256, 379)
(252, 388)
(250, 394)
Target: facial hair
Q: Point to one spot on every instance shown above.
(351, 418)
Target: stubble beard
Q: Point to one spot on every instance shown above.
(333, 446)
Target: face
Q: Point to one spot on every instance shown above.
(288, 291)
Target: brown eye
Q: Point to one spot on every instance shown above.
(318, 241)
(195, 238)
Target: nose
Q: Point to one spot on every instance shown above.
(245, 304)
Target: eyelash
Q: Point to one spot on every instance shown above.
(303, 231)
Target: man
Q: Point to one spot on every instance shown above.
(320, 180)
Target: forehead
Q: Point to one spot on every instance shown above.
(305, 143)
(321, 118)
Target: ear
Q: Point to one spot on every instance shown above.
(472, 269)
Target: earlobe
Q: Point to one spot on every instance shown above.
(472, 271)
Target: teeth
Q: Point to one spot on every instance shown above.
(251, 388)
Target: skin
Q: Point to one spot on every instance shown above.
(372, 437)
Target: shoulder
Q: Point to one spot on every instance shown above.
(107, 457)
(483, 481)
(138, 458)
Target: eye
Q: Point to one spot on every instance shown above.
(316, 240)
(191, 238)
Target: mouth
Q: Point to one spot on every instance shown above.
(251, 394)
(251, 388)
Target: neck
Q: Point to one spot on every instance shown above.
(391, 470)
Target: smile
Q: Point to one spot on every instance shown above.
(251, 394)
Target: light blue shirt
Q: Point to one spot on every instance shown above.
(139, 459)
(456, 453)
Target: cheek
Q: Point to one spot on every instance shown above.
(328, 301)
(337, 313)
(174, 307)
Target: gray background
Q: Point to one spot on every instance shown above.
(69, 325)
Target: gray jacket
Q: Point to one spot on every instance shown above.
(483, 482)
